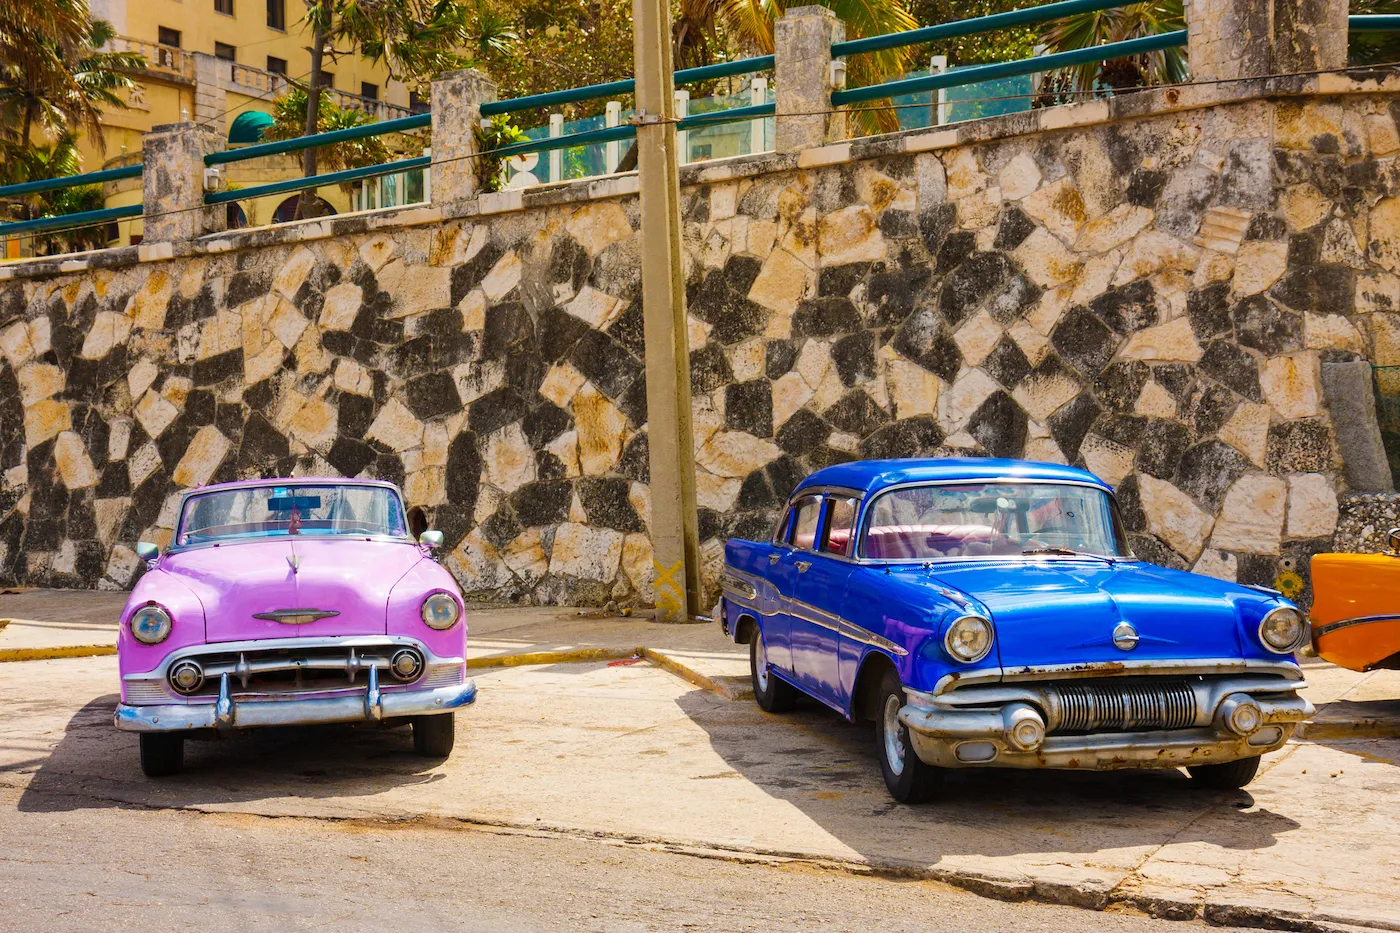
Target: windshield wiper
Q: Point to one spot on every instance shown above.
(1068, 552)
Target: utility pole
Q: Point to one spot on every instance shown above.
(674, 531)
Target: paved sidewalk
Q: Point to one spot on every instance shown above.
(627, 754)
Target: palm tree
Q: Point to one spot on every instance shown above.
(54, 73)
(747, 25)
(1086, 30)
(415, 39)
(288, 114)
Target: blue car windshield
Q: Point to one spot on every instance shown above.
(276, 511)
(992, 520)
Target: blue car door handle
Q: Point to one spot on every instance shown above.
(774, 558)
(802, 565)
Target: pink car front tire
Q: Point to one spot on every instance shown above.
(434, 736)
(162, 754)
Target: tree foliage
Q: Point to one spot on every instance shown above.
(54, 73)
(289, 114)
(1085, 30)
(1374, 48)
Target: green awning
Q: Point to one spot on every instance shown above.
(248, 127)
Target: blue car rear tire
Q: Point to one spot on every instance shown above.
(774, 695)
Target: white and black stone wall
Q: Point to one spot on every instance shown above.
(1152, 298)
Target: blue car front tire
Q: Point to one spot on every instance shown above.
(907, 777)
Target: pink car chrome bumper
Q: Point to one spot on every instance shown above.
(227, 712)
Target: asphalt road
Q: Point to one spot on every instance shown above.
(83, 865)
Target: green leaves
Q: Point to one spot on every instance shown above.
(53, 72)
(289, 122)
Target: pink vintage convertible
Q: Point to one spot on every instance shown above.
(286, 602)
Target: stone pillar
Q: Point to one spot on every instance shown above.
(1252, 38)
(1351, 399)
(172, 182)
(802, 39)
(210, 98)
(457, 99)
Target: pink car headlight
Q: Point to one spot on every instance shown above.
(440, 611)
(150, 625)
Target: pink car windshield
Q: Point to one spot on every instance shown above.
(993, 519)
(253, 512)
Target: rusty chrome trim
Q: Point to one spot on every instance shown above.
(731, 582)
(841, 626)
(1331, 627)
(1206, 666)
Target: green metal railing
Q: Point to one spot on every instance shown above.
(488, 109)
(81, 219)
(963, 76)
(978, 73)
(63, 221)
(968, 27)
(1375, 22)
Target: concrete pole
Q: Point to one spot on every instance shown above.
(675, 537)
(173, 182)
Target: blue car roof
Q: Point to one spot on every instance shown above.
(870, 475)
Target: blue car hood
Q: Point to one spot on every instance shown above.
(1064, 611)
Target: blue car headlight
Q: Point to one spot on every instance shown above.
(968, 639)
(1283, 630)
(440, 611)
(150, 625)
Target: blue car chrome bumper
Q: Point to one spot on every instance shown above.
(228, 712)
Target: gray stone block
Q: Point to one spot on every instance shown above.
(1352, 401)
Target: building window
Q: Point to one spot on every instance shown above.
(223, 6)
(328, 79)
(416, 103)
(170, 37)
(277, 15)
(277, 66)
(225, 51)
(369, 90)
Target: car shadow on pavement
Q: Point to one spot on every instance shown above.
(93, 765)
(828, 769)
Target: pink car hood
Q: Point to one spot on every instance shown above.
(238, 581)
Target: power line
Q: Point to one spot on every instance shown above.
(483, 155)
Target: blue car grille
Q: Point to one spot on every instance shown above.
(1120, 707)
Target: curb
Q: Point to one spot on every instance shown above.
(51, 654)
(731, 688)
(1330, 730)
(571, 656)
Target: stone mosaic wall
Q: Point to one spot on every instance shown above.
(1151, 298)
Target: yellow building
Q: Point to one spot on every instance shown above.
(223, 63)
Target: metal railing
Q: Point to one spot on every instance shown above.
(165, 58)
(997, 70)
(489, 109)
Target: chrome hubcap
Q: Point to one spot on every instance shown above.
(894, 735)
(760, 663)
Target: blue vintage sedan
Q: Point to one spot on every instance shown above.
(990, 613)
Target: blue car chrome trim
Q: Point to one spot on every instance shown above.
(1163, 667)
(241, 712)
(730, 582)
(828, 620)
(1347, 623)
